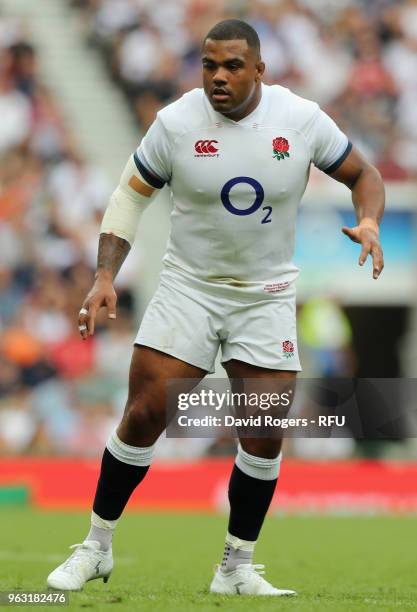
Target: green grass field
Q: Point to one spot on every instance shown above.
(164, 561)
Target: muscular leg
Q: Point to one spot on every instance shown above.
(143, 420)
(128, 453)
(260, 447)
(253, 479)
(126, 460)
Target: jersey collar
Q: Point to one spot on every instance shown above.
(254, 118)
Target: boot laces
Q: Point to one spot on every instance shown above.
(81, 552)
(256, 568)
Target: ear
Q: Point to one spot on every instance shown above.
(260, 69)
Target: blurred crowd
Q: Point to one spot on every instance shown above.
(57, 394)
(357, 58)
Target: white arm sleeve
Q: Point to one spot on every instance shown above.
(127, 204)
(329, 145)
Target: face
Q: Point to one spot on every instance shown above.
(232, 74)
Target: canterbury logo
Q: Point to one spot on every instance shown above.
(206, 147)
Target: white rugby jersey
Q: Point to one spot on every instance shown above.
(236, 185)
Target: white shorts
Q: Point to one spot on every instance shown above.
(191, 319)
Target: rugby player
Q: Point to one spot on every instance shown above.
(236, 156)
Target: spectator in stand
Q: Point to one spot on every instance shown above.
(15, 110)
(78, 194)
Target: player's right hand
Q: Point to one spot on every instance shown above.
(102, 294)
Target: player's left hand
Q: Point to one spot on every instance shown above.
(368, 236)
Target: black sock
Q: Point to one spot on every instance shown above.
(116, 484)
(249, 502)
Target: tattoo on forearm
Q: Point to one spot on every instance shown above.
(112, 251)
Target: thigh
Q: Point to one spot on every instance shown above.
(152, 369)
(271, 381)
(150, 373)
(264, 333)
(180, 322)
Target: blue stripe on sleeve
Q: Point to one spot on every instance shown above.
(339, 161)
(149, 177)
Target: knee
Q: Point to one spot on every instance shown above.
(142, 414)
(262, 447)
(262, 468)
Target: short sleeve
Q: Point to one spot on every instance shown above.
(329, 145)
(153, 156)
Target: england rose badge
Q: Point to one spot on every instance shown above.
(280, 147)
(288, 349)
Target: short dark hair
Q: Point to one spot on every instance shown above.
(235, 29)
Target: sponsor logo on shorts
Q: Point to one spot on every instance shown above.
(206, 148)
(275, 287)
(288, 349)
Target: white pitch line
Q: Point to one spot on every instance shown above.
(48, 558)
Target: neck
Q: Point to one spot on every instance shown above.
(248, 105)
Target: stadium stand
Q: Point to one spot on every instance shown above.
(366, 50)
(51, 395)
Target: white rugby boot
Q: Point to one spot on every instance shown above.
(246, 579)
(87, 562)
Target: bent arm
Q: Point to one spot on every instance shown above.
(117, 234)
(365, 182)
(368, 197)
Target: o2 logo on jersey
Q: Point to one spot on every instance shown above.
(259, 198)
